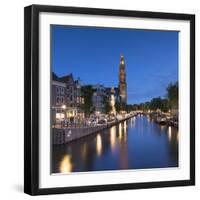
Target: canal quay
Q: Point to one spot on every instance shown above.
(137, 142)
(63, 134)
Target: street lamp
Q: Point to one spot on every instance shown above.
(64, 107)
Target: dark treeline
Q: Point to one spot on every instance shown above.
(170, 101)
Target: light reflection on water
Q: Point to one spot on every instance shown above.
(170, 133)
(132, 122)
(84, 150)
(99, 145)
(134, 144)
(113, 138)
(65, 164)
(120, 131)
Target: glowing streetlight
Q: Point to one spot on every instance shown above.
(63, 106)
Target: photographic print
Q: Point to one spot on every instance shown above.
(109, 99)
(114, 99)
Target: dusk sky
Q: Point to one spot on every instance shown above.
(93, 54)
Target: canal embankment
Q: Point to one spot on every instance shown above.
(68, 134)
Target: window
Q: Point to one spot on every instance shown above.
(57, 90)
(62, 99)
(62, 90)
(57, 100)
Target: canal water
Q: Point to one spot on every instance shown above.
(137, 143)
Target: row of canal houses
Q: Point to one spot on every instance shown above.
(67, 100)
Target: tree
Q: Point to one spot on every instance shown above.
(165, 105)
(146, 105)
(155, 103)
(117, 106)
(87, 93)
(135, 107)
(129, 108)
(107, 106)
(172, 95)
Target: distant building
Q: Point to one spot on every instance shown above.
(122, 84)
(98, 98)
(66, 98)
(100, 95)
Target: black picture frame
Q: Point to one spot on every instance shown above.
(31, 98)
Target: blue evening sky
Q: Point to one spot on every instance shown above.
(93, 54)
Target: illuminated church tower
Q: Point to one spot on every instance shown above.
(122, 84)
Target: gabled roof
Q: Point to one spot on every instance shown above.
(66, 78)
(63, 79)
(54, 77)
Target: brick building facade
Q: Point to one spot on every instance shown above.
(66, 99)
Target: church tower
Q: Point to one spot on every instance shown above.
(122, 84)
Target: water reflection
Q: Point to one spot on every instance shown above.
(65, 164)
(122, 128)
(148, 118)
(113, 137)
(84, 151)
(125, 130)
(120, 131)
(99, 145)
(123, 145)
(125, 125)
(162, 127)
(132, 122)
(169, 133)
(134, 144)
